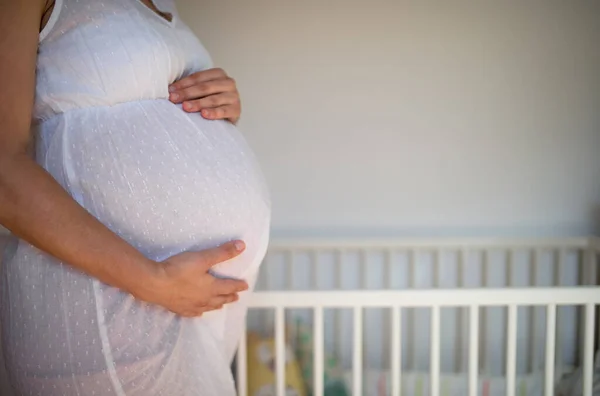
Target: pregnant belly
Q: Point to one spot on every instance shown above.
(165, 180)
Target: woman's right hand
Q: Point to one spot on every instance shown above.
(184, 285)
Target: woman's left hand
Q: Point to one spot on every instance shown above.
(211, 92)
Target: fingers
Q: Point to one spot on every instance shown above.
(226, 112)
(219, 301)
(211, 92)
(220, 113)
(196, 78)
(215, 303)
(212, 101)
(223, 287)
(230, 111)
(201, 89)
(219, 254)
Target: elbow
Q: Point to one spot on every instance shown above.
(11, 161)
(14, 152)
(13, 164)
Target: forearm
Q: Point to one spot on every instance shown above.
(38, 210)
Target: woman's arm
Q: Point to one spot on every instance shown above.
(32, 204)
(37, 209)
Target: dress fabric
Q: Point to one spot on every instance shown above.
(165, 180)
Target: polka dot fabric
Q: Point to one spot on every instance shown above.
(165, 180)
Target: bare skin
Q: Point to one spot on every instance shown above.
(211, 92)
(38, 210)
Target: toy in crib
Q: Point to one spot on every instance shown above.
(333, 377)
(261, 369)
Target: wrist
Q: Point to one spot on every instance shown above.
(147, 284)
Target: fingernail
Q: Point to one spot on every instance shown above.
(239, 245)
(172, 88)
(187, 106)
(206, 113)
(174, 96)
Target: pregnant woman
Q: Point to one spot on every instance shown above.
(141, 220)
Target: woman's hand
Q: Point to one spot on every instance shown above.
(211, 92)
(185, 286)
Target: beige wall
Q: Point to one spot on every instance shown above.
(418, 115)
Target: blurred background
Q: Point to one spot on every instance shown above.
(417, 117)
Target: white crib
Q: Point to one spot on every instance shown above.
(461, 307)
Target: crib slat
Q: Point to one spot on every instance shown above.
(435, 351)
(596, 278)
(387, 282)
(357, 353)
(460, 316)
(550, 346)
(280, 350)
(290, 265)
(584, 279)
(558, 270)
(534, 331)
(484, 316)
(241, 366)
(411, 317)
(339, 256)
(511, 351)
(588, 350)
(319, 353)
(396, 365)
(473, 349)
(265, 316)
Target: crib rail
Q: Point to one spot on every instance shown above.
(475, 300)
(427, 298)
(431, 243)
(588, 297)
